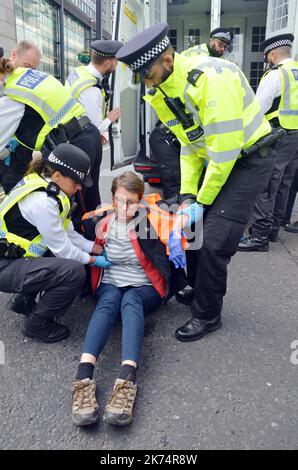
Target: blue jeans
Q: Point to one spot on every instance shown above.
(133, 303)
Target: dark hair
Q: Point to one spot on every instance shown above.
(129, 181)
(39, 166)
(5, 66)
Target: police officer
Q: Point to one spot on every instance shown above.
(86, 85)
(278, 96)
(35, 219)
(41, 114)
(17, 157)
(164, 145)
(219, 42)
(291, 227)
(214, 113)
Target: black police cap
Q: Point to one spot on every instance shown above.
(105, 48)
(224, 34)
(145, 47)
(72, 162)
(277, 41)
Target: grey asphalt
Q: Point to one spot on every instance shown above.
(234, 389)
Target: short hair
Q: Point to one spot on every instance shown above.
(99, 60)
(24, 46)
(129, 181)
(284, 50)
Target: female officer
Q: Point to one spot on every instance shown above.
(35, 219)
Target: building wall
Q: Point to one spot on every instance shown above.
(7, 26)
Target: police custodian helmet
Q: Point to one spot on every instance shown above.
(72, 162)
(142, 50)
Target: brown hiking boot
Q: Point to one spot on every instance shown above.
(119, 408)
(84, 404)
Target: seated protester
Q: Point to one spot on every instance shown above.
(135, 284)
(35, 219)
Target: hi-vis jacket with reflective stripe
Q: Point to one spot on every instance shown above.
(200, 49)
(33, 182)
(47, 96)
(287, 109)
(227, 118)
(80, 79)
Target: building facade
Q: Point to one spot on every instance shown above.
(60, 28)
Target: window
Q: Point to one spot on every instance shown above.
(258, 36)
(279, 14)
(256, 72)
(173, 37)
(75, 35)
(193, 37)
(236, 39)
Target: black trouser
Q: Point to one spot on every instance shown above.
(12, 174)
(271, 204)
(59, 279)
(223, 227)
(291, 199)
(166, 150)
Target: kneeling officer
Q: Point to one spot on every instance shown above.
(35, 219)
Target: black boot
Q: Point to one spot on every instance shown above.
(292, 228)
(45, 329)
(185, 296)
(21, 303)
(196, 328)
(273, 237)
(251, 243)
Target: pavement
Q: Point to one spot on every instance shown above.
(234, 389)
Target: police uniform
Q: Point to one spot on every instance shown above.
(87, 86)
(210, 107)
(164, 145)
(35, 220)
(40, 113)
(225, 35)
(277, 94)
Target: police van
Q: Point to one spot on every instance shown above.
(190, 22)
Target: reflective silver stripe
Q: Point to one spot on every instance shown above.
(191, 148)
(72, 78)
(223, 127)
(287, 89)
(221, 157)
(33, 98)
(59, 115)
(77, 89)
(251, 128)
(289, 112)
(17, 192)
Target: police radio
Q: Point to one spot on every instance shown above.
(178, 109)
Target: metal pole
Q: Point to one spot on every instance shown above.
(98, 19)
(215, 14)
(62, 45)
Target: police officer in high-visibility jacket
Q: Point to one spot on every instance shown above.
(35, 219)
(40, 113)
(278, 97)
(219, 42)
(164, 145)
(210, 107)
(87, 85)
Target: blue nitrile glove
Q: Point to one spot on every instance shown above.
(101, 262)
(194, 211)
(177, 254)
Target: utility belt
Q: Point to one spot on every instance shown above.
(64, 133)
(10, 250)
(262, 146)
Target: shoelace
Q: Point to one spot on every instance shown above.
(84, 396)
(122, 396)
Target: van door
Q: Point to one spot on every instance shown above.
(124, 134)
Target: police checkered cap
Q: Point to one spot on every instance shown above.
(145, 47)
(277, 41)
(105, 48)
(224, 34)
(72, 162)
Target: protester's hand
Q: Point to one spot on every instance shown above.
(193, 211)
(115, 114)
(97, 249)
(177, 254)
(104, 137)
